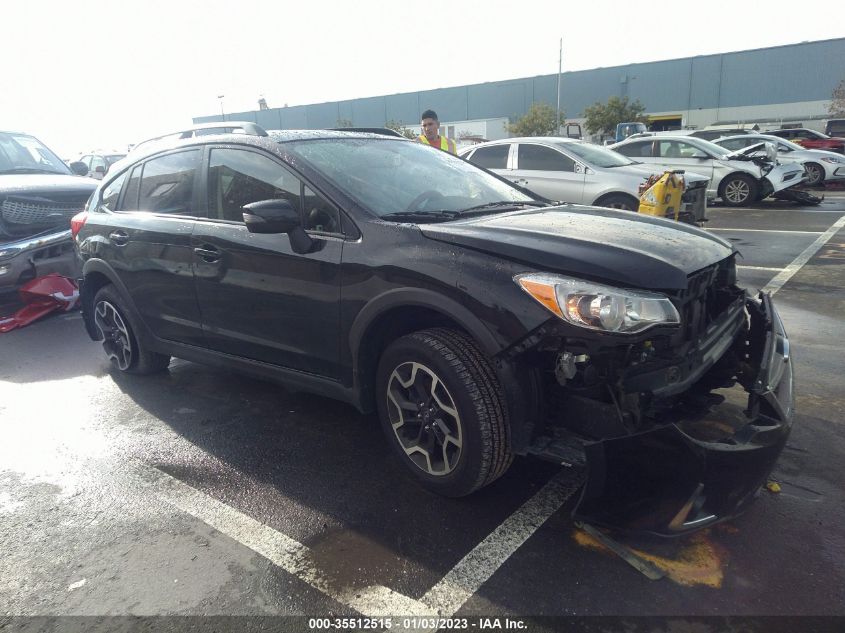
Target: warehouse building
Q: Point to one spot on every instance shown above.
(787, 85)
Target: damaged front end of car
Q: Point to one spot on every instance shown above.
(677, 422)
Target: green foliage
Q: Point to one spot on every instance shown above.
(400, 127)
(538, 121)
(344, 123)
(837, 103)
(603, 117)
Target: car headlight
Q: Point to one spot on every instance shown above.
(831, 159)
(590, 305)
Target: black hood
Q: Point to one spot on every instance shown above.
(621, 247)
(46, 185)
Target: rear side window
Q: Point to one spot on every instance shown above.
(493, 157)
(133, 186)
(537, 157)
(111, 192)
(238, 177)
(167, 183)
(635, 150)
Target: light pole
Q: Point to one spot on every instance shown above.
(559, 69)
(223, 114)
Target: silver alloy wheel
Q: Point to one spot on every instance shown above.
(116, 340)
(424, 418)
(737, 191)
(815, 174)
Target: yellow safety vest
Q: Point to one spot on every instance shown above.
(446, 144)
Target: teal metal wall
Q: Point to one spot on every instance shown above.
(785, 74)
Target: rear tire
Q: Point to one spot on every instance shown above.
(443, 412)
(738, 190)
(117, 331)
(815, 174)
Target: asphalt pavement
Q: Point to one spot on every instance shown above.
(203, 492)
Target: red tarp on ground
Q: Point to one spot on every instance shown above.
(42, 296)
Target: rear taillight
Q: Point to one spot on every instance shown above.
(77, 222)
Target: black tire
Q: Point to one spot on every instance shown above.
(619, 201)
(117, 329)
(738, 190)
(815, 174)
(466, 407)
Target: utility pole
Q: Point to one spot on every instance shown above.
(559, 68)
(223, 114)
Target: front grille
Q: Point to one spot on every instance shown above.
(19, 212)
(708, 295)
(22, 217)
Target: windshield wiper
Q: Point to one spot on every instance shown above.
(29, 170)
(440, 214)
(505, 203)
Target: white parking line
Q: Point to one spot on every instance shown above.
(768, 231)
(474, 569)
(786, 274)
(281, 550)
(444, 599)
(766, 268)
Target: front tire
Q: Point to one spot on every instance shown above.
(815, 174)
(443, 412)
(619, 201)
(117, 333)
(738, 190)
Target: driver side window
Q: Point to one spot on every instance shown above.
(238, 177)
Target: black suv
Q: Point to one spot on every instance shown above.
(477, 319)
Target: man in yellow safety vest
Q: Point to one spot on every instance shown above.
(431, 133)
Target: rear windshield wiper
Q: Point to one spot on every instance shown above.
(430, 216)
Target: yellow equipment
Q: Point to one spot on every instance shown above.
(661, 195)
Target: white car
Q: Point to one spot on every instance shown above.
(569, 170)
(820, 165)
(738, 179)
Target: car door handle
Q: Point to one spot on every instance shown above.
(209, 253)
(120, 238)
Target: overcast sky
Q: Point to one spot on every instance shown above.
(86, 74)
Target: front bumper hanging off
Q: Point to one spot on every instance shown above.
(696, 472)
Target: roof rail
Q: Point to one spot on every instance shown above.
(205, 129)
(385, 131)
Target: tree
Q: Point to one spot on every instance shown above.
(400, 127)
(603, 117)
(837, 103)
(538, 121)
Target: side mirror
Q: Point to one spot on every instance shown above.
(271, 216)
(99, 169)
(79, 168)
(278, 216)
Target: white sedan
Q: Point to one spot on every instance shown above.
(820, 165)
(737, 178)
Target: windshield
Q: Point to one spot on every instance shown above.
(21, 153)
(390, 176)
(596, 155)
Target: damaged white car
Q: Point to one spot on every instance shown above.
(738, 179)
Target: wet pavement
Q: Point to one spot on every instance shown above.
(203, 492)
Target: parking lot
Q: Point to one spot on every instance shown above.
(203, 492)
